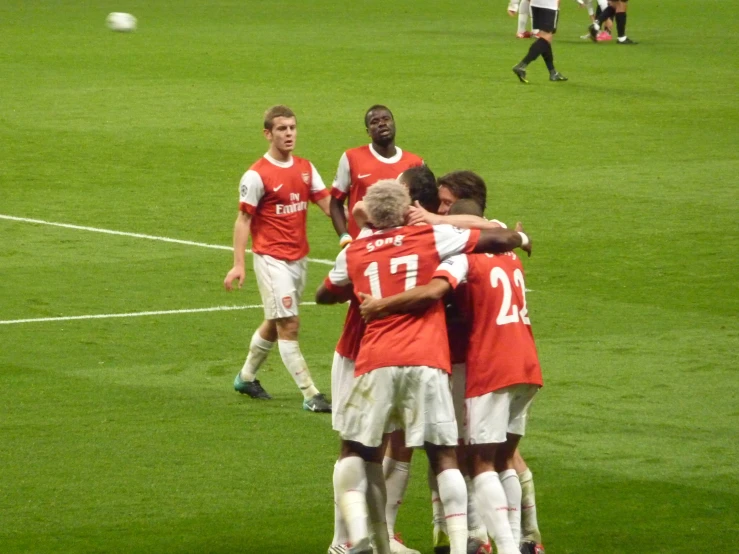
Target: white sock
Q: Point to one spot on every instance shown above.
(376, 503)
(341, 535)
(512, 488)
(437, 508)
(351, 487)
(475, 525)
(453, 494)
(623, 38)
(492, 503)
(523, 15)
(295, 364)
(396, 483)
(258, 350)
(529, 524)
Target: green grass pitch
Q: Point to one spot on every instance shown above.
(125, 435)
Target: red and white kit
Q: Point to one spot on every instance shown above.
(360, 168)
(276, 195)
(403, 363)
(503, 371)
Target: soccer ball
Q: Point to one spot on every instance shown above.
(121, 22)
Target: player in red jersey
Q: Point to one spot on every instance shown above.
(361, 167)
(503, 373)
(397, 375)
(274, 195)
(421, 185)
(466, 185)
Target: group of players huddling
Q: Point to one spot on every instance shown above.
(436, 352)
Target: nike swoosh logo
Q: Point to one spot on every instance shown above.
(277, 188)
(363, 176)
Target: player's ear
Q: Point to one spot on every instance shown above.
(267, 134)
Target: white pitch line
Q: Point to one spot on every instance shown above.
(140, 314)
(135, 235)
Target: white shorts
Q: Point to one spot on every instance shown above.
(281, 285)
(342, 378)
(459, 382)
(418, 397)
(489, 417)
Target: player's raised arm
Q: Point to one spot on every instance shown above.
(242, 228)
(415, 299)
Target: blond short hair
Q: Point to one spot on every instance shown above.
(274, 112)
(386, 203)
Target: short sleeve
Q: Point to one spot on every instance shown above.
(343, 179)
(317, 186)
(338, 277)
(251, 191)
(453, 240)
(453, 269)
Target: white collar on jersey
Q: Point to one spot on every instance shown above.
(398, 155)
(278, 163)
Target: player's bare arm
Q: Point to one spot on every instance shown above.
(495, 241)
(417, 215)
(415, 299)
(337, 296)
(325, 205)
(338, 216)
(242, 228)
(359, 213)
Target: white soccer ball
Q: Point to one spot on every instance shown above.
(121, 22)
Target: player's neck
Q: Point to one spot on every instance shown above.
(283, 156)
(385, 150)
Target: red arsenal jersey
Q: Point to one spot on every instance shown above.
(362, 167)
(388, 262)
(276, 195)
(501, 350)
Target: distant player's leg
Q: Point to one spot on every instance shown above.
(606, 13)
(262, 341)
(523, 20)
(621, 22)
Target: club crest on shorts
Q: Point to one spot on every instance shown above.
(306, 177)
(287, 301)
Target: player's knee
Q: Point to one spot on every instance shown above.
(287, 328)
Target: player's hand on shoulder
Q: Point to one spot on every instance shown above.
(236, 273)
(526, 239)
(417, 215)
(370, 307)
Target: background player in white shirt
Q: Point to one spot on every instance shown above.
(544, 14)
(274, 195)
